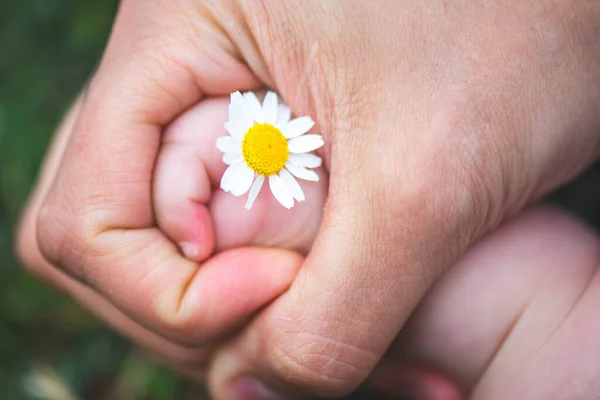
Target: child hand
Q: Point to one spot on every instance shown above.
(516, 318)
(195, 213)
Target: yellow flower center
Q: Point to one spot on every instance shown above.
(265, 149)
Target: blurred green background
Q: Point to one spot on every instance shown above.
(48, 48)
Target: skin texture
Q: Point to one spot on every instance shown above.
(440, 120)
(513, 319)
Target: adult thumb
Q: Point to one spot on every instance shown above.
(377, 252)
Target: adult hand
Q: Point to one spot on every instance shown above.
(440, 120)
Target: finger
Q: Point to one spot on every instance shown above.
(520, 301)
(182, 188)
(189, 361)
(189, 168)
(399, 380)
(97, 221)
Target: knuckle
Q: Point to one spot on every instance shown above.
(26, 247)
(53, 236)
(488, 164)
(175, 310)
(66, 228)
(450, 184)
(331, 367)
(184, 321)
(60, 240)
(175, 318)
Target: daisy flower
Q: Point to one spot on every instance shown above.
(265, 144)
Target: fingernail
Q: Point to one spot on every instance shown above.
(189, 249)
(251, 389)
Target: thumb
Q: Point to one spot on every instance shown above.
(377, 251)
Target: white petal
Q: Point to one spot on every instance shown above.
(239, 119)
(305, 160)
(238, 127)
(237, 98)
(238, 107)
(297, 127)
(254, 190)
(227, 178)
(228, 144)
(284, 114)
(302, 173)
(254, 107)
(292, 184)
(305, 143)
(270, 108)
(237, 179)
(232, 158)
(281, 192)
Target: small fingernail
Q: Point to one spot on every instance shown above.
(251, 389)
(189, 249)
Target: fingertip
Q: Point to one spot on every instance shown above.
(413, 382)
(190, 225)
(232, 285)
(200, 247)
(255, 274)
(199, 242)
(190, 250)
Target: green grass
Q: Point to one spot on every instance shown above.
(48, 48)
